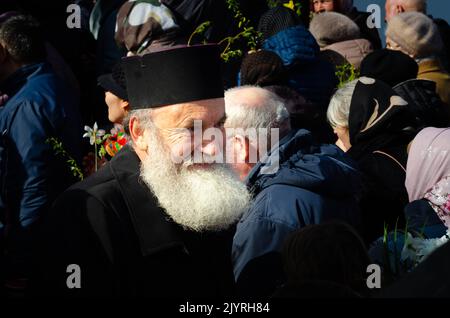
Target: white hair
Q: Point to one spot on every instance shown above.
(262, 109)
(143, 116)
(339, 107)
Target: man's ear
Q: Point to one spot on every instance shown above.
(242, 148)
(137, 134)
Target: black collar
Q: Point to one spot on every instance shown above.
(152, 225)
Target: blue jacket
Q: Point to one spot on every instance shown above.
(31, 175)
(313, 184)
(313, 78)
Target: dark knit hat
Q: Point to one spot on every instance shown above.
(262, 68)
(391, 67)
(115, 82)
(276, 20)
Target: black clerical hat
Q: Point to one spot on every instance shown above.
(173, 75)
(114, 82)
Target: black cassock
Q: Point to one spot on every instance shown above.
(110, 225)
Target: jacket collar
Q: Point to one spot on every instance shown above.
(277, 155)
(427, 66)
(151, 224)
(16, 81)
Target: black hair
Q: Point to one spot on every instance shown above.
(331, 252)
(22, 37)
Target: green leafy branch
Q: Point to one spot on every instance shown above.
(102, 150)
(229, 54)
(399, 262)
(60, 151)
(200, 30)
(392, 270)
(346, 73)
(248, 33)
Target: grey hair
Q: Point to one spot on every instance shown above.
(339, 108)
(271, 112)
(144, 117)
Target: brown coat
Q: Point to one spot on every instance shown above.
(433, 71)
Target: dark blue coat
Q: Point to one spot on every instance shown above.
(313, 184)
(313, 78)
(39, 106)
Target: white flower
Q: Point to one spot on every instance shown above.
(94, 134)
(417, 249)
(409, 249)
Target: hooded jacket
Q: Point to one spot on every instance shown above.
(313, 184)
(311, 77)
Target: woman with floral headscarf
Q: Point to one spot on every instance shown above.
(428, 182)
(428, 214)
(372, 124)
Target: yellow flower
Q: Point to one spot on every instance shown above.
(290, 5)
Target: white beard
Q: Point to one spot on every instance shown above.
(209, 199)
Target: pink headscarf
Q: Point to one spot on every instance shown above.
(428, 162)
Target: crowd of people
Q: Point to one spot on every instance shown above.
(354, 169)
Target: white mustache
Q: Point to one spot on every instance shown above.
(190, 161)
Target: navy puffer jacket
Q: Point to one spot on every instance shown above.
(298, 184)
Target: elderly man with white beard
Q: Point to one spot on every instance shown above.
(149, 223)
